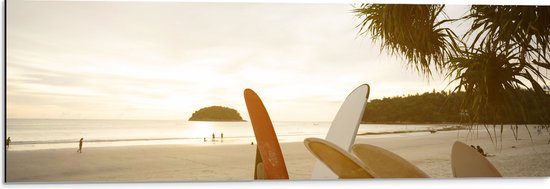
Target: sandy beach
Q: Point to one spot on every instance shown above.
(211, 162)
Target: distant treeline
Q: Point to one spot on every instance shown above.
(437, 107)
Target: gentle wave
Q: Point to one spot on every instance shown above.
(30, 134)
(142, 139)
(95, 141)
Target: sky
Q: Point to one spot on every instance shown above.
(165, 60)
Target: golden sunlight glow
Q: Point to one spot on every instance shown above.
(167, 64)
(201, 128)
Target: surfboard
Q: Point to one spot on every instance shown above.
(267, 143)
(259, 172)
(340, 162)
(344, 127)
(468, 162)
(386, 164)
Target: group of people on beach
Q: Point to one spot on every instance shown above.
(221, 135)
(214, 137)
(8, 141)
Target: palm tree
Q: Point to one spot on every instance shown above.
(502, 55)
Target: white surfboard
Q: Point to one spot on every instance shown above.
(468, 162)
(344, 127)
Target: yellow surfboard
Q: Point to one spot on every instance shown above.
(340, 162)
(386, 164)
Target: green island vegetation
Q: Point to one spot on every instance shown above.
(216, 113)
(444, 107)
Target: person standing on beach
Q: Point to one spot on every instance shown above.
(222, 135)
(213, 136)
(8, 141)
(80, 145)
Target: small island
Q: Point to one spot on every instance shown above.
(216, 113)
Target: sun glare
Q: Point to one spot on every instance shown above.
(201, 128)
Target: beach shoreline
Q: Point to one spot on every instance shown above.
(223, 162)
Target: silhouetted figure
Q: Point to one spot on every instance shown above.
(204, 139)
(8, 141)
(480, 150)
(222, 135)
(80, 145)
(213, 136)
(252, 143)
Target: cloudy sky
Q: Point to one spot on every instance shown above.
(164, 60)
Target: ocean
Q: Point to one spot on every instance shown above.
(37, 134)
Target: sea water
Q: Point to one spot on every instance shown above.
(36, 134)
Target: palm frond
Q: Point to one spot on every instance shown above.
(412, 31)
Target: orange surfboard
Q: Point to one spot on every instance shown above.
(268, 145)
